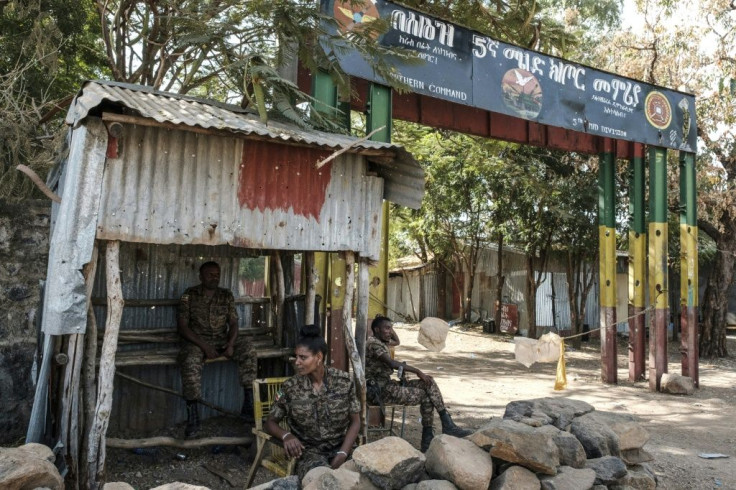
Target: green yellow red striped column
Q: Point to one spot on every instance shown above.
(658, 280)
(688, 267)
(379, 114)
(637, 265)
(607, 269)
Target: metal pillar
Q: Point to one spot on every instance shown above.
(688, 267)
(607, 269)
(637, 266)
(658, 280)
(379, 114)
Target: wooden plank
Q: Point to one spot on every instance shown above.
(361, 315)
(96, 451)
(278, 303)
(178, 443)
(311, 290)
(167, 357)
(347, 317)
(240, 300)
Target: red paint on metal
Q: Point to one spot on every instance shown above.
(359, 101)
(112, 147)
(657, 347)
(609, 369)
(470, 120)
(304, 79)
(637, 344)
(537, 134)
(689, 343)
(508, 128)
(406, 106)
(274, 176)
(607, 145)
(436, 113)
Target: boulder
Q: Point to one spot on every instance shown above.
(436, 485)
(433, 333)
(177, 485)
(315, 473)
(569, 479)
(339, 479)
(459, 461)
(636, 456)
(516, 477)
(676, 384)
(639, 477)
(571, 451)
(287, 483)
(28, 466)
(606, 433)
(349, 465)
(518, 443)
(559, 412)
(390, 462)
(608, 469)
(117, 485)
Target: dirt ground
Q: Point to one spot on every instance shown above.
(478, 376)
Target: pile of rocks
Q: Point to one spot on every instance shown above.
(547, 443)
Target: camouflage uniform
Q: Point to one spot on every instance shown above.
(319, 420)
(414, 392)
(210, 319)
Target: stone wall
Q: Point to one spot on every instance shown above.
(24, 234)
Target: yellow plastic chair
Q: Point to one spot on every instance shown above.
(269, 450)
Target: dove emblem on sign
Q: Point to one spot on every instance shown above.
(522, 80)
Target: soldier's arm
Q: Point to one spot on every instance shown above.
(292, 445)
(394, 338)
(182, 324)
(232, 333)
(407, 368)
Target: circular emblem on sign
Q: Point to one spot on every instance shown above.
(657, 109)
(352, 17)
(522, 93)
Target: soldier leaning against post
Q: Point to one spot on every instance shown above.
(208, 324)
(379, 366)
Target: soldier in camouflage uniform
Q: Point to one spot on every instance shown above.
(208, 323)
(320, 406)
(379, 366)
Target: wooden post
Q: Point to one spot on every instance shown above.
(361, 315)
(89, 391)
(311, 290)
(347, 317)
(280, 296)
(115, 303)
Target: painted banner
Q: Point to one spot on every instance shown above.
(469, 68)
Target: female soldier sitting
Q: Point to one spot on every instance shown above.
(320, 406)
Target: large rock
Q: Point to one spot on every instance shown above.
(459, 461)
(287, 483)
(433, 333)
(339, 479)
(559, 412)
(390, 462)
(636, 456)
(315, 473)
(118, 485)
(676, 384)
(516, 478)
(519, 443)
(639, 477)
(436, 485)
(177, 485)
(606, 433)
(571, 451)
(29, 466)
(569, 479)
(608, 469)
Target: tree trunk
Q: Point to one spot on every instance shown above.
(500, 280)
(715, 301)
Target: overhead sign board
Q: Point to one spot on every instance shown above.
(469, 68)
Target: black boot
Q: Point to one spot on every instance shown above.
(427, 436)
(247, 411)
(449, 427)
(192, 428)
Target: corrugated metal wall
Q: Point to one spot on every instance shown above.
(164, 272)
(484, 290)
(183, 187)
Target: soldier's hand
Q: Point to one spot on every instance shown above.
(338, 460)
(293, 446)
(425, 378)
(210, 352)
(229, 351)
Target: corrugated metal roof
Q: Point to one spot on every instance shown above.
(404, 177)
